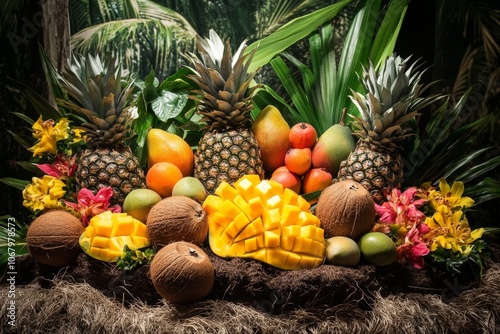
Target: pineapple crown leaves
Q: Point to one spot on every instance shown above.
(224, 80)
(96, 96)
(393, 98)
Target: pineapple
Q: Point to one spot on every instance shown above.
(228, 148)
(97, 99)
(392, 99)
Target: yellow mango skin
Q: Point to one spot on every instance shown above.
(266, 222)
(108, 233)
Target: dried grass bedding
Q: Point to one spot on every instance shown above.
(249, 297)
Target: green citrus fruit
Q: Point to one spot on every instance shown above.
(342, 251)
(377, 248)
(138, 203)
(190, 187)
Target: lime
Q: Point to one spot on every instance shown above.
(377, 248)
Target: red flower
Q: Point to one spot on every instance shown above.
(414, 249)
(62, 167)
(90, 205)
(401, 208)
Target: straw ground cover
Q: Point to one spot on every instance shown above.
(249, 297)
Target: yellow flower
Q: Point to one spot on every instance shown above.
(48, 134)
(450, 197)
(44, 193)
(77, 135)
(450, 230)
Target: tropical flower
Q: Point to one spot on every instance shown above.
(450, 197)
(44, 193)
(401, 208)
(414, 248)
(450, 230)
(63, 167)
(90, 205)
(48, 134)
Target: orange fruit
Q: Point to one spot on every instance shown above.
(302, 135)
(162, 177)
(316, 179)
(298, 160)
(288, 180)
(163, 146)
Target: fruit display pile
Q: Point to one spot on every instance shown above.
(254, 188)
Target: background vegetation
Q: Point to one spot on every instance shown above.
(459, 38)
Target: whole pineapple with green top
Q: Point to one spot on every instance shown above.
(100, 103)
(393, 97)
(228, 149)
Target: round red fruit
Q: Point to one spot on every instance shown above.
(302, 135)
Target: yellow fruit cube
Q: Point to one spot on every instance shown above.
(268, 188)
(246, 186)
(289, 215)
(274, 202)
(226, 191)
(251, 230)
(291, 231)
(229, 209)
(212, 204)
(243, 206)
(286, 243)
(271, 239)
(289, 197)
(100, 242)
(302, 245)
(303, 204)
(271, 219)
(257, 207)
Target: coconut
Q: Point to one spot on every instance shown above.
(346, 209)
(177, 218)
(52, 238)
(182, 273)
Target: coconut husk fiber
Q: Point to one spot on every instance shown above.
(91, 296)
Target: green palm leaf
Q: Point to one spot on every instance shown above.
(439, 152)
(326, 85)
(290, 33)
(12, 241)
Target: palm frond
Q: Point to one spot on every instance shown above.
(157, 44)
(12, 241)
(325, 86)
(439, 152)
(290, 33)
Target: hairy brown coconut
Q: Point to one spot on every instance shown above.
(177, 218)
(52, 238)
(346, 209)
(182, 273)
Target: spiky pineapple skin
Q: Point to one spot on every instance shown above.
(377, 170)
(117, 168)
(226, 156)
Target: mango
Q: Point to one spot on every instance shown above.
(263, 221)
(108, 233)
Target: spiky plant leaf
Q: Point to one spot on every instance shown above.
(12, 241)
(439, 152)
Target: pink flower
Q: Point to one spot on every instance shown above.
(90, 205)
(414, 249)
(401, 208)
(62, 167)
